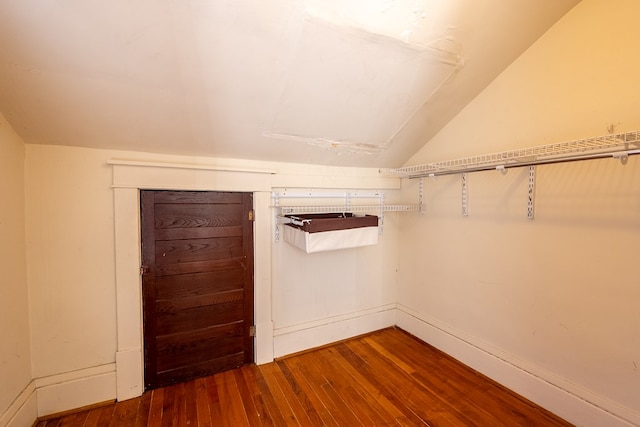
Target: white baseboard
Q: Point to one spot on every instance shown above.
(23, 412)
(292, 339)
(63, 392)
(129, 374)
(576, 405)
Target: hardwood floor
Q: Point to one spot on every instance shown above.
(384, 378)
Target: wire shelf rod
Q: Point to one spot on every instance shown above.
(618, 145)
(530, 163)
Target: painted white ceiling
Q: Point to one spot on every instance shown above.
(352, 83)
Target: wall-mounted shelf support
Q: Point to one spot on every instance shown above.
(378, 208)
(465, 195)
(617, 146)
(421, 196)
(531, 197)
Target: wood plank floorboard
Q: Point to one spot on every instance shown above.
(386, 378)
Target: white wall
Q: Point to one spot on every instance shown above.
(550, 307)
(15, 353)
(72, 252)
(71, 258)
(329, 296)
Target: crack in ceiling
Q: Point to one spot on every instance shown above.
(403, 78)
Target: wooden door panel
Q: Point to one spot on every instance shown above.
(197, 215)
(214, 343)
(203, 368)
(172, 322)
(210, 197)
(189, 250)
(197, 285)
(185, 285)
(198, 233)
(178, 305)
(201, 266)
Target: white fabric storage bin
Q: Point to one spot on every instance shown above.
(328, 232)
(331, 240)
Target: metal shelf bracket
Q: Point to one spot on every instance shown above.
(531, 196)
(465, 195)
(421, 196)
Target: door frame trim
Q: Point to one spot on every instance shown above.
(128, 180)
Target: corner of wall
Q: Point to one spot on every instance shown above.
(24, 409)
(17, 397)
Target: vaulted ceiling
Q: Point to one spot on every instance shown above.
(342, 82)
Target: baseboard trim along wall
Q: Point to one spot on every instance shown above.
(303, 336)
(23, 411)
(59, 393)
(577, 405)
(77, 389)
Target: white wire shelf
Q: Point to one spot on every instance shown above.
(292, 210)
(619, 145)
(374, 205)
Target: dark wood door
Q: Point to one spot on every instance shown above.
(197, 286)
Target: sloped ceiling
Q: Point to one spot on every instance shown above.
(341, 82)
